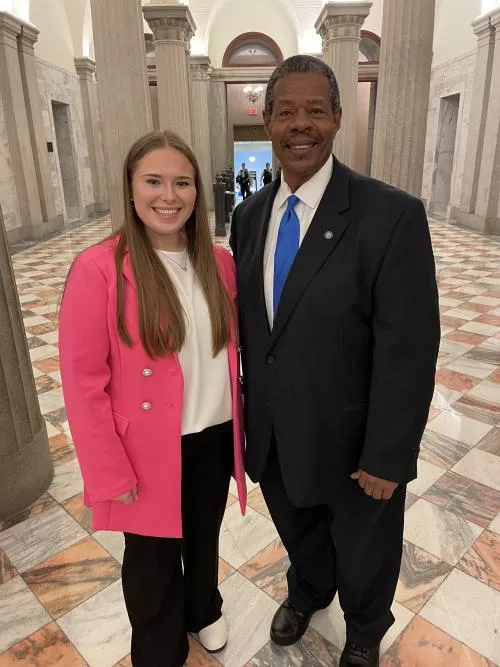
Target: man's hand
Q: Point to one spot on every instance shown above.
(380, 489)
(127, 498)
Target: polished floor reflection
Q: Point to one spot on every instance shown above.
(60, 594)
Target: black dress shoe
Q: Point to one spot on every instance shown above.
(288, 624)
(357, 656)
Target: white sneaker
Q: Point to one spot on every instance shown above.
(214, 637)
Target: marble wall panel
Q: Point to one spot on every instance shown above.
(59, 85)
(450, 78)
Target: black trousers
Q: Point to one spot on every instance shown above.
(163, 602)
(354, 549)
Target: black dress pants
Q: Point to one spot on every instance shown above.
(354, 547)
(163, 602)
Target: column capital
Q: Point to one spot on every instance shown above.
(494, 16)
(342, 19)
(85, 67)
(10, 29)
(200, 67)
(170, 23)
(28, 38)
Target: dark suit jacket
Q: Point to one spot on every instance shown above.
(346, 376)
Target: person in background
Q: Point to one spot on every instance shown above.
(339, 326)
(267, 175)
(150, 372)
(243, 180)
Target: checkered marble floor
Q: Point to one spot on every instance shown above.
(60, 593)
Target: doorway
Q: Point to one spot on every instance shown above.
(255, 155)
(440, 203)
(65, 159)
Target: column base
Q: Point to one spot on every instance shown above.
(35, 232)
(26, 475)
(478, 223)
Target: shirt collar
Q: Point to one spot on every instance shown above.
(311, 191)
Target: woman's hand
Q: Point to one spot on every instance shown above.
(127, 498)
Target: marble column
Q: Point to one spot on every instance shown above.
(85, 68)
(403, 93)
(17, 128)
(339, 26)
(485, 216)
(26, 43)
(219, 132)
(123, 87)
(482, 80)
(200, 87)
(25, 463)
(173, 26)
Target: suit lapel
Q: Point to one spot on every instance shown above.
(260, 225)
(327, 228)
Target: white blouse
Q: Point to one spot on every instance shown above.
(207, 387)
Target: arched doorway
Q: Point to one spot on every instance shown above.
(245, 102)
(252, 49)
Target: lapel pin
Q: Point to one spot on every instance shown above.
(328, 236)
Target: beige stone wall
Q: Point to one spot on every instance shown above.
(451, 78)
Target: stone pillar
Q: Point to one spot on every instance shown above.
(173, 26)
(200, 86)
(339, 26)
(123, 88)
(487, 204)
(17, 128)
(482, 79)
(26, 42)
(25, 464)
(219, 141)
(85, 68)
(403, 93)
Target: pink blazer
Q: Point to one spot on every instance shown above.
(108, 387)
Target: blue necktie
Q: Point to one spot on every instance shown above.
(287, 247)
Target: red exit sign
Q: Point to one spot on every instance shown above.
(252, 111)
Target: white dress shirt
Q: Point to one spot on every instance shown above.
(207, 387)
(310, 195)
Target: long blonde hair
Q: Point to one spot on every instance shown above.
(162, 322)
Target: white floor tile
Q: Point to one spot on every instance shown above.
(248, 612)
(243, 537)
(67, 481)
(439, 532)
(468, 610)
(330, 623)
(43, 352)
(495, 525)
(99, 628)
(480, 466)
(476, 369)
(21, 613)
(428, 474)
(51, 400)
(113, 542)
(36, 539)
(459, 427)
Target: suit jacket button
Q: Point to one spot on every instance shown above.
(146, 405)
(147, 372)
(271, 359)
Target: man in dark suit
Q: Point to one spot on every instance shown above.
(339, 327)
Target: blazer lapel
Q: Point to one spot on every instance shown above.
(327, 228)
(260, 225)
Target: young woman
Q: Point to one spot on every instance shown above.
(150, 372)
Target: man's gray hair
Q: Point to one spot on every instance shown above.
(302, 64)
